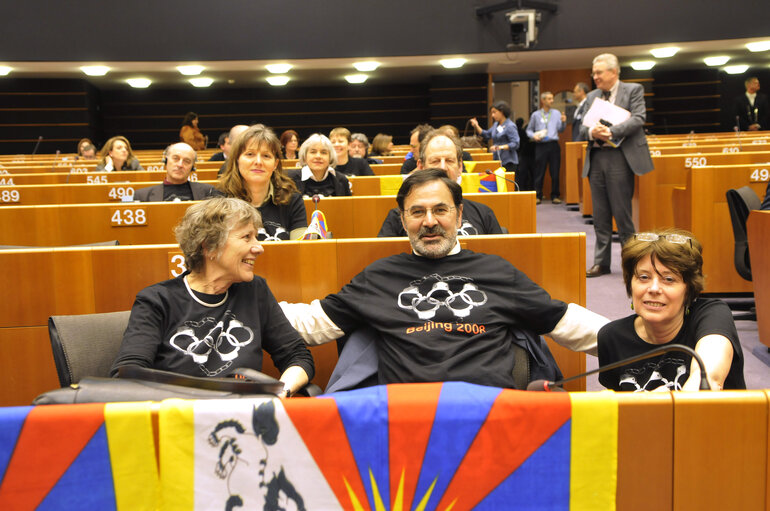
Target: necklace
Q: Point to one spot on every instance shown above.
(187, 285)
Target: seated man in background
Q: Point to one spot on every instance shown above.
(359, 148)
(179, 160)
(416, 136)
(223, 144)
(234, 132)
(88, 152)
(443, 313)
(444, 151)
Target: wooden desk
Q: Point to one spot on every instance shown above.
(50, 282)
(668, 445)
(758, 227)
(701, 208)
(652, 191)
(139, 223)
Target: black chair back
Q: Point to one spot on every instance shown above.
(86, 344)
(740, 202)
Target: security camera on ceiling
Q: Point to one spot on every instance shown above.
(524, 23)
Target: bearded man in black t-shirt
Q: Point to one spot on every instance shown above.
(443, 313)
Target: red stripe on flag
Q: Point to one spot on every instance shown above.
(410, 425)
(52, 437)
(319, 424)
(517, 425)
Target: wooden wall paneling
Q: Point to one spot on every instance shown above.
(759, 250)
(26, 363)
(720, 450)
(645, 451)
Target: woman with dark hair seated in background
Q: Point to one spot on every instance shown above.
(217, 316)
(289, 144)
(504, 135)
(359, 148)
(253, 173)
(663, 273)
(190, 134)
(117, 155)
(317, 175)
(340, 138)
(382, 145)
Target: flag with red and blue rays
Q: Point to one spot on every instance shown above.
(450, 446)
(317, 227)
(85, 456)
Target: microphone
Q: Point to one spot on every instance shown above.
(39, 139)
(316, 199)
(515, 184)
(547, 386)
(738, 131)
(55, 159)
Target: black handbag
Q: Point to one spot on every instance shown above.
(142, 384)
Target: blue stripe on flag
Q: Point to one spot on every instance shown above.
(364, 413)
(541, 483)
(87, 483)
(462, 409)
(11, 421)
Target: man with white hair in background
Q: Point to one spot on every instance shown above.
(615, 153)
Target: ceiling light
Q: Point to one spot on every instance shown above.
(277, 80)
(95, 70)
(4, 70)
(663, 53)
(278, 69)
(452, 63)
(201, 81)
(758, 46)
(366, 66)
(190, 70)
(642, 65)
(736, 70)
(356, 78)
(139, 83)
(719, 60)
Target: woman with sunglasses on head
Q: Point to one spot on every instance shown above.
(663, 274)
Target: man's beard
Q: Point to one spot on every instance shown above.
(435, 249)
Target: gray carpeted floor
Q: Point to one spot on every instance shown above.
(607, 296)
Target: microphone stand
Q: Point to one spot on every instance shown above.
(704, 384)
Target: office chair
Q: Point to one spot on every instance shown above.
(740, 202)
(86, 344)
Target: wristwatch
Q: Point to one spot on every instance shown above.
(286, 392)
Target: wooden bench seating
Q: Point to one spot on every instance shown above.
(139, 223)
(47, 282)
(60, 188)
(701, 208)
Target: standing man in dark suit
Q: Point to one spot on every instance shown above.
(751, 108)
(579, 94)
(179, 160)
(610, 167)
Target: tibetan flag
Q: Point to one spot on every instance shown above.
(238, 453)
(432, 446)
(317, 228)
(84, 456)
(389, 185)
(494, 182)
